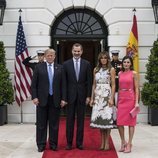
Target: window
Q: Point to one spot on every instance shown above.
(79, 23)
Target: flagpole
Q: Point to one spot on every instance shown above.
(21, 111)
(21, 114)
(134, 11)
(23, 75)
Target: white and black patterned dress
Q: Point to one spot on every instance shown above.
(103, 116)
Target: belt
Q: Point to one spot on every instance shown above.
(103, 83)
(125, 89)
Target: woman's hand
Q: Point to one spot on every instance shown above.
(111, 102)
(91, 103)
(136, 105)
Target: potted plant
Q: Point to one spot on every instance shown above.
(6, 89)
(149, 93)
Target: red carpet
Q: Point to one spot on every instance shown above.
(91, 145)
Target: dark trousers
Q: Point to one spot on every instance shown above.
(47, 115)
(71, 108)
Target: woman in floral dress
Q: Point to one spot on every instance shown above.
(102, 99)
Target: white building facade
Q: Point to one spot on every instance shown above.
(43, 19)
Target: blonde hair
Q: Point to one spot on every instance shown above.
(49, 50)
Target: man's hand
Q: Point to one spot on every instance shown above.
(87, 100)
(35, 101)
(33, 57)
(63, 103)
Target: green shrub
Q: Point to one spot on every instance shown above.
(149, 93)
(6, 89)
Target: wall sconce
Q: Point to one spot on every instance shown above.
(155, 10)
(2, 9)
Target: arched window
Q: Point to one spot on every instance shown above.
(79, 23)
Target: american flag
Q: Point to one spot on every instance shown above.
(23, 74)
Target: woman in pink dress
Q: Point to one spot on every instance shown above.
(127, 100)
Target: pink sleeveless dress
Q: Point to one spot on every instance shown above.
(126, 99)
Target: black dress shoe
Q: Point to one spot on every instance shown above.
(40, 149)
(80, 147)
(69, 147)
(54, 148)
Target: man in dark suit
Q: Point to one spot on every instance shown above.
(79, 82)
(48, 94)
(27, 61)
(117, 65)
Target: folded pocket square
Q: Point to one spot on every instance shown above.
(134, 111)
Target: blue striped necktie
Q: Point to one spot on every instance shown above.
(50, 75)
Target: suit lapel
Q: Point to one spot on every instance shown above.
(72, 69)
(81, 68)
(45, 68)
(55, 70)
(46, 71)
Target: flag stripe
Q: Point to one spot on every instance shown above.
(21, 88)
(27, 81)
(23, 82)
(132, 47)
(134, 28)
(23, 74)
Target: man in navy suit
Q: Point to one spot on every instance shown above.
(79, 82)
(49, 95)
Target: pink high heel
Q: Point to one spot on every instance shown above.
(123, 146)
(128, 148)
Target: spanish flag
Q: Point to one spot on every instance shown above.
(132, 47)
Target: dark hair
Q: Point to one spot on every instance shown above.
(77, 45)
(131, 60)
(99, 64)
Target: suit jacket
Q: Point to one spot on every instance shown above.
(82, 87)
(40, 84)
(116, 65)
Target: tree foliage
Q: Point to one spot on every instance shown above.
(149, 93)
(6, 89)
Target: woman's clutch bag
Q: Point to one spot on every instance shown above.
(135, 111)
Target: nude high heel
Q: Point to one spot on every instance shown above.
(123, 146)
(101, 148)
(107, 147)
(128, 148)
